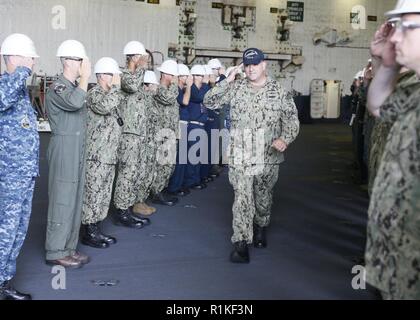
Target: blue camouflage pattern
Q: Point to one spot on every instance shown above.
(16, 194)
(19, 138)
(19, 154)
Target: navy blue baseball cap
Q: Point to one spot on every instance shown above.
(252, 56)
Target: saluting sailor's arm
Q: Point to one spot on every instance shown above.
(11, 87)
(186, 96)
(132, 82)
(223, 92)
(167, 96)
(219, 96)
(289, 119)
(103, 103)
(69, 99)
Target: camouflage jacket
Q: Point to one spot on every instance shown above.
(393, 239)
(133, 111)
(270, 109)
(19, 139)
(103, 131)
(166, 99)
(381, 130)
(132, 82)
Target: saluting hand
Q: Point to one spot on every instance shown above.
(143, 61)
(212, 79)
(85, 69)
(28, 63)
(116, 80)
(234, 72)
(190, 81)
(206, 79)
(382, 47)
(222, 70)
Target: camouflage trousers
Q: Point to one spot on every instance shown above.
(145, 173)
(16, 194)
(98, 191)
(253, 200)
(164, 169)
(128, 160)
(161, 178)
(378, 139)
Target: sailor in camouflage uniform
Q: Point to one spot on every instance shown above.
(134, 116)
(104, 127)
(65, 103)
(19, 153)
(166, 133)
(261, 105)
(393, 235)
(146, 152)
(381, 130)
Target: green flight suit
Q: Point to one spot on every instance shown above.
(65, 104)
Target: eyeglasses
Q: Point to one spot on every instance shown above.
(73, 59)
(403, 26)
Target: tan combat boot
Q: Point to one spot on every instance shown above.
(141, 208)
(152, 209)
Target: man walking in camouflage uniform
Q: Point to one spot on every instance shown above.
(393, 237)
(65, 102)
(19, 153)
(104, 127)
(260, 105)
(133, 111)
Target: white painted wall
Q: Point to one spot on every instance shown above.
(321, 62)
(103, 26)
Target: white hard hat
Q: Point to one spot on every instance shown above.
(150, 77)
(169, 67)
(107, 65)
(71, 48)
(183, 70)
(134, 47)
(198, 70)
(18, 44)
(208, 69)
(214, 63)
(403, 7)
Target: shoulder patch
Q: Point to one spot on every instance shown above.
(59, 88)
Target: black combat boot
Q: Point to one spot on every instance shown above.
(184, 192)
(8, 293)
(164, 199)
(125, 218)
(199, 186)
(260, 239)
(240, 253)
(104, 237)
(91, 237)
(144, 221)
